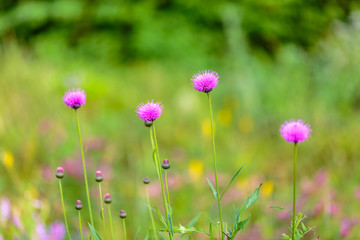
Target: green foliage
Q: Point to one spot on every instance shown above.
(300, 229)
(94, 233)
(123, 30)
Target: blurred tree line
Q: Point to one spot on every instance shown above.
(131, 29)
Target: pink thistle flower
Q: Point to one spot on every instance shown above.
(74, 98)
(149, 111)
(295, 131)
(205, 81)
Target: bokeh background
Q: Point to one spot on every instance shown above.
(277, 60)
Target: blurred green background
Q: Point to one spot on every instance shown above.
(277, 60)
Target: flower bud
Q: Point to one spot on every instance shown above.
(107, 199)
(98, 176)
(59, 172)
(166, 164)
(122, 214)
(148, 123)
(146, 180)
(78, 205)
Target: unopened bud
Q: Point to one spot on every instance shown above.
(98, 176)
(146, 180)
(148, 123)
(59, 172)
(78, 205)
(166, 164)
(107, 199)
(122, 214)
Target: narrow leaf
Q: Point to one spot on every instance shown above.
(213, 189)
(232, 179)
(94, 233)
(137, 232)
(194, 220)
(170, 223)
(279, 208)
(252, 198)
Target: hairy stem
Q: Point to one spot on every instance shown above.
(63, 206)
(111, 224)
(81, 235)
(294, 192)
(102, 211)
(84, 167)
(161, 181)
(215, 168)
(151, 214)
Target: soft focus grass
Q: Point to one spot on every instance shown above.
(255, 96)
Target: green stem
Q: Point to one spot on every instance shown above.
(84, 167)
(215, 168)
(168, 196)
(124, 226)
(151, 214)
(111, 225)
(102, 211)
(63, 206)
(294, 192)
(154, 156)
(81, 235)
(161, 180)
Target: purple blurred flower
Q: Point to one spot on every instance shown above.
(149, 111)
(205, 81)
(357, 193)
(5, 208)
(295, 131)
(57, 231)
(74, 98)
(346, 226)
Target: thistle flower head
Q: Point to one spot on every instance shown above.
(146, 180)
(98, 176)
(205, 81)
(107, 198)
(166, 164)
(122, 214)
(74, 98)
(78, 205)
(60, 172)
(149, 111)
(295, 131)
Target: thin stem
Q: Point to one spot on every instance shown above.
(168, 196)
(151, 214)
(111, 225)
(124, 226)
(84, 167)
(63, 206)
(294, 192)
(215, 168)
(161, 180)
(81, 235)
(102, 210)
(154, 156)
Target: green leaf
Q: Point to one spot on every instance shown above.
(232, 179)
(147, 237)
(213, 189)
(170, 223)
(279, 208)
(157, 211)
(94, 233)
(252, 198)
(137, 232)
(194, 220)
